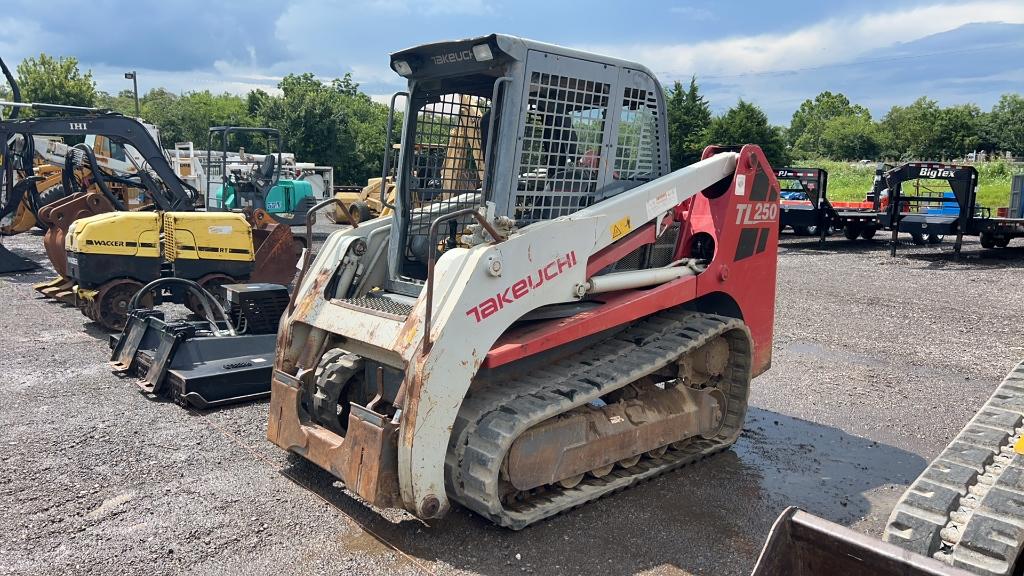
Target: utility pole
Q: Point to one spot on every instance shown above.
(135, 88)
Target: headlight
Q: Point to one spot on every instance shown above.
(402, 67)
(482, 53)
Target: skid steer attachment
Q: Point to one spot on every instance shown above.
(205, 363)
(551, 314)
(801, 544)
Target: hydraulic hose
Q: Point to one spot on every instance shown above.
(97, 174)
(206, 300)
(15, 90)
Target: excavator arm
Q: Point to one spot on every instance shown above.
(126, 131)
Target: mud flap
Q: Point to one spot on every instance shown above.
(801, 544)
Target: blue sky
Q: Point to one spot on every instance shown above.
(775, 54)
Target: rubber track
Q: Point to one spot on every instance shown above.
(496, 413)
(967, 507)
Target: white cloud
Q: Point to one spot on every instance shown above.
(460, 7)
(822, 43)
(112, 80)
(693, 13)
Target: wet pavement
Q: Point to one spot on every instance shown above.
(877, 363)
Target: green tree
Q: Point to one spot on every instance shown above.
(256, 99)
(123, 102)
(988, 136)
(745, 123)
(369, 124)
(912, 132)
(328, 123)
(808, 124)
(55, 81)
(688, 117)
(849, 138)
(1008, 123)
(314, 122)
(189, 117)
(959, 129)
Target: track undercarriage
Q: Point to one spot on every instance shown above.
(666, 392)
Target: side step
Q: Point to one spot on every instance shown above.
(967, 508)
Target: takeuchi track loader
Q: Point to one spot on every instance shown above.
(556, 317)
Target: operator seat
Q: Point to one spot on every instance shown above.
(263, 178)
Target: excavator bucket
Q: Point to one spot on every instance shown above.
(11, 262)
(277, 250)
(58, 217)
(802, 544)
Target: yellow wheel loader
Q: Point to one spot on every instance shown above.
(360, 204)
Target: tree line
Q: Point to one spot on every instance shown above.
(328, 123)
(829, 126)
(336, 124)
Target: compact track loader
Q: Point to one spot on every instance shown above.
(556, 317)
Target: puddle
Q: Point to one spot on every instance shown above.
(820, 468)
(823, 353)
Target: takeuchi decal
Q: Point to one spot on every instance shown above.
(520, 288)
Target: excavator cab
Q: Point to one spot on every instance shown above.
(552, 315)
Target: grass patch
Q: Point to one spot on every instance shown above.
(851, 182)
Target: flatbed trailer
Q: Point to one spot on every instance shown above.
(817, 214)
(955, 213)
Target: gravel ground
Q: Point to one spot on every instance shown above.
(878, 362)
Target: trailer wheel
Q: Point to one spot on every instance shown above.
(1002, 242)
(987, 240)
(935, 238)
(802, 230)
(851, 232)
(917, 238)
(868, 233)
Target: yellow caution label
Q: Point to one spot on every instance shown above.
(1018, 446)
(620, 228)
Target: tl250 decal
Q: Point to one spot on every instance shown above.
(520, 288)
(757, 212)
